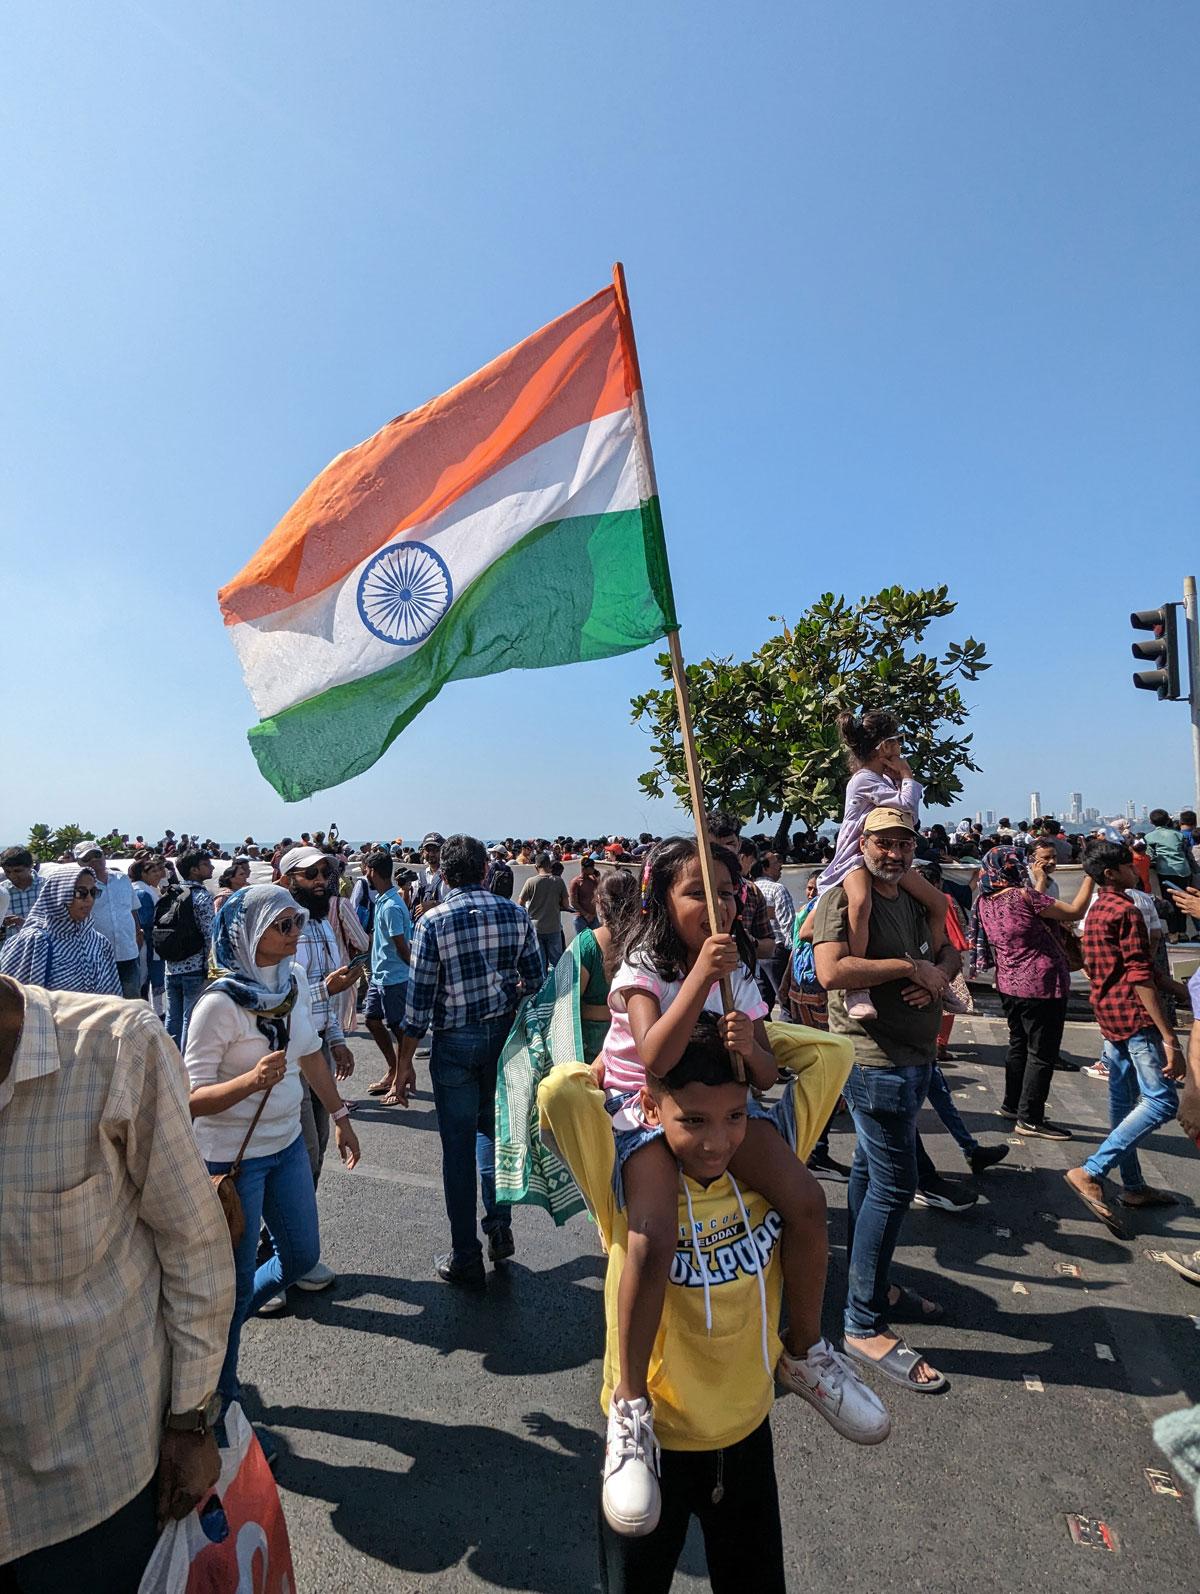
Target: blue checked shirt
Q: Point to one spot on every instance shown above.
(20, 902)
(469, 956)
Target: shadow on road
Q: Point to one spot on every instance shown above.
(528, 1321)
(469, 1492)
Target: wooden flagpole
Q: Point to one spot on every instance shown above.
(649, 489)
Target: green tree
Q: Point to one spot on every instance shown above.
(41, 843)
(766, 729)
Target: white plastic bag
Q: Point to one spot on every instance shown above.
(236, 1541)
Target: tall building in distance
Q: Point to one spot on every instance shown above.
(1130, 809)
(989, 818)
(1075, 812)
(1035, 805)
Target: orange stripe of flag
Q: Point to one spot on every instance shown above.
(569, 373)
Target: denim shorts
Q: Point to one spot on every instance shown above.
(386, 1002)
(632, 1132)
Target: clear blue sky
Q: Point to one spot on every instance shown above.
(915, 288)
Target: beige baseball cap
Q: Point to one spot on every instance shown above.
(889, 819)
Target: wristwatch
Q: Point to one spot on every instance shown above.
(199, 1421)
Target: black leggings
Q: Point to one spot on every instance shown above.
(742, 1535)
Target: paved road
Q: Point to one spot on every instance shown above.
(433, 1441)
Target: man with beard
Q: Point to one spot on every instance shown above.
(894, 1054)
(311, 876)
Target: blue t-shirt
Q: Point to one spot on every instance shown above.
(391, 918)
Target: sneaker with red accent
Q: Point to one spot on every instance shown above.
(831, 1386)
(631, 1495)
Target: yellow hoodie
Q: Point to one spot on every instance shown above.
(712, 1366)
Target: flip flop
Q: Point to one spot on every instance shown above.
(1109, 1218)
(910, 1309)
(392, 1100)
(898, 1365)
(379, 1088)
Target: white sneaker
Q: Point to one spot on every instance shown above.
(828, 1382)
(319, 1277)
(273, 1304)
(631, 1496)
(859, 1006)
(1096, 1070)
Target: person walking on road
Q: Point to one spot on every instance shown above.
(893, 1057)
(1140, 1046)
(544, 897)
(473, 957)
(1014, 930)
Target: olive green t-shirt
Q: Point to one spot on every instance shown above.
(901, 1035)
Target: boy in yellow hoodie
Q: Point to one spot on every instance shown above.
(711, 1371)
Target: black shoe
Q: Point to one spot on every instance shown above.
(1008, 1112)
(986, 1157)
(1044, 1131)
(825, 1167)
(268, 1445)
(471, 1278)
(500, 1245)
(946, 1197)
(1062, 1066)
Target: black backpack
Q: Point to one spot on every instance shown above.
(176, 934)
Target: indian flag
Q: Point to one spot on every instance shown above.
(511, 523)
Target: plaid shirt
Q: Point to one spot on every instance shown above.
(20, 902)
(1116, 950)
(755, 914)
(115, 1260)
(469, 956)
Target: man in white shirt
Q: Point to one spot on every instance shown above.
(115, 917)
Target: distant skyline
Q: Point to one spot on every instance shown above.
(914, 289)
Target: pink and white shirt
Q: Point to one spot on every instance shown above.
(623, 1068)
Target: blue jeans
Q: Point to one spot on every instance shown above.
(1135, 1066)
(553, 947)
(884, 1103)
(462, 1070)
(582, 924)
(279, 1189)
(942, 1102)
(182, 991)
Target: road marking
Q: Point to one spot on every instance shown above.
(372, 1170)
(1034, 1384)
(1089, 1533)
(1163, 1483)
(1104, 1352)
(1071, 1269)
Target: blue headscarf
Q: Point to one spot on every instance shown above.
(53, 951)
(239, 926)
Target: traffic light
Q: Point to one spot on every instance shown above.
(1163, 652)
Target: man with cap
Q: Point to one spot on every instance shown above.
(114, 916)
(431, 885)
(311, 876)
(894, 1053)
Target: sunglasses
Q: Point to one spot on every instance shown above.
(286, 926)
(82, 893)
(319, 871)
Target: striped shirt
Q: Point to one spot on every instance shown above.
(115, 1260)
(316, 956)
(470, 955)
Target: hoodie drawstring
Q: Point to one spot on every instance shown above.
(703, 1271)
(762, 1289)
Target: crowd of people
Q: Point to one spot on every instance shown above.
(173, 1041)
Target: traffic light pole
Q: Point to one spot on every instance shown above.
(1193, 637)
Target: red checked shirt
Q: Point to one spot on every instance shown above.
(1116, 950)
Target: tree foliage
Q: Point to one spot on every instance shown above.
(766, 728)
(47, 844)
